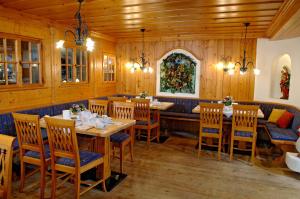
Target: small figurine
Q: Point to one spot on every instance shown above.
(285, 82)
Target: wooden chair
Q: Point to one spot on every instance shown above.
(95, 106)
(6, 158)
(123, 110)
(111, 100)
(244, 124)
(144, 121)
(211, 123)
(32, 148)
(66, 158)
(98, 106)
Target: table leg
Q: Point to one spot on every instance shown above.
(103, 147)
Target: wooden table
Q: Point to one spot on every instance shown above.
(260, 114)
(161, 106)
(103, 138)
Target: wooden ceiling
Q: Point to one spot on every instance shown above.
(124, 19)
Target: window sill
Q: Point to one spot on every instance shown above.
(109, 82)
(73, 84)
(6, 88)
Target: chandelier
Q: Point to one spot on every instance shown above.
(229, 66)
(143, 64)
(80, 32)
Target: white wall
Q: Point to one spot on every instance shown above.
(269, 52)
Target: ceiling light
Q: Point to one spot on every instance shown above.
(142, 63)
(80, 33)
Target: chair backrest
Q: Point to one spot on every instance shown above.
(29, 133)
(6, 158)
(98, 106)
(244, 118)
(123, 110)
(111, 100)
(62, 140)
(141, 109)
(211, 115)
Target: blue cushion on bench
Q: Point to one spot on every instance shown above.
(283, 134)
(85, 158)
(144, 122)
(180, 115)
(15, 144)
(119, 137)
(36, 155)
(243, 133)
(210, 130)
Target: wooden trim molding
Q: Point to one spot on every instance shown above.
(286, 11)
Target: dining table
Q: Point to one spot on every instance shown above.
(228, 111)
(102, 144)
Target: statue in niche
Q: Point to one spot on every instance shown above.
(285, 82)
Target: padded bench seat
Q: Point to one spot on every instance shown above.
(281, 135)
(179, 116)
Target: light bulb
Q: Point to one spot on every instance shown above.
(145, 70)
(230, 65)
(220, 65)
(230, 72)
(150, 69)
(135, 65)
(256, 71)
(129, 65)
(242, 72)
(90, 44)
(60, 44)
(132, 70)
(77, 80)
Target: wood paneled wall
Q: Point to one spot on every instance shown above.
(52, 91)
(214, 83)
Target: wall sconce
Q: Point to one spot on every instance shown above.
(226, 65)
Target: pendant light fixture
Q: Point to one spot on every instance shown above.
(244, 64)
(80, 33)
(229, 67)
(143, 64)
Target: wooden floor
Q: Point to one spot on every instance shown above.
(172, 170)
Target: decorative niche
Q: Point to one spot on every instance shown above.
(178, 73)
(281, 75)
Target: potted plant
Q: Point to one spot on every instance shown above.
(77, 108)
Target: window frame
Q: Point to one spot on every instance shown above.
(19, 85)
(74, 64)
(114, 73)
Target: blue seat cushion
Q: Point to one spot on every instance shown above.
(243, 133)
(277, 133)
(210, 130)
(119, 137)
(44, 133)
(36, 155)
(15, 144)
(85, 158)
(145, 122)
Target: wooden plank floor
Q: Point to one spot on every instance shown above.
(172, 170)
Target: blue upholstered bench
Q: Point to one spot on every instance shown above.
(182, 110)
(7, 125)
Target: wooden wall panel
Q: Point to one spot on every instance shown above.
(215, 84)
(52, 91)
